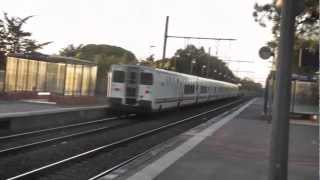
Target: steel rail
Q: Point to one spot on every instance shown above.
(116, 143)
(125, 162)
(54, 129)
(62, 127)
(52, 140)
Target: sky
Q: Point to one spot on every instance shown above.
(139, 25)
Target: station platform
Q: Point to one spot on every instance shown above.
(234, 145)
(21, 108)
(19, 115)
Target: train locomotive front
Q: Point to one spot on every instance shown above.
(130, 88)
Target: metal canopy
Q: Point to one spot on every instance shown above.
(53, 58)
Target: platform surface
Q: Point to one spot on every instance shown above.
(23, 108)
(239, 149)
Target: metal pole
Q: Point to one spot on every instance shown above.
(280, 114)
(208, 64)
(165, 38)
(266, 98)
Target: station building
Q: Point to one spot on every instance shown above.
(60, 79)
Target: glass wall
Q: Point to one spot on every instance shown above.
(93, 78)
(61, 74)
(41, 76)
(69, 80)
(2, 73)
(31, 75)
(22, 75)
(2, 76)
(77, 80)
(85, 81)
(52, 70)
(11, 71)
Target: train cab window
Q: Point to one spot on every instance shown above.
(118, 76)
(132, 77)
(146, 79)
(203, 89)
(188, 89)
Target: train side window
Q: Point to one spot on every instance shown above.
(203, 89)
(118, 76)
(146, 78)
(188, 89)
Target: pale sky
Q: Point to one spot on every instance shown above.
(137, 24)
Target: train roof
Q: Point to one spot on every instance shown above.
(176, 73)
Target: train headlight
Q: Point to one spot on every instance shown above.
(314, 117)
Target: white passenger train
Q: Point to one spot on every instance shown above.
(134, 88)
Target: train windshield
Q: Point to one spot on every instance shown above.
(118, 76)
(132, 79)
(146, 79)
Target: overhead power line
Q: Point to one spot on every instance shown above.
(204, 38)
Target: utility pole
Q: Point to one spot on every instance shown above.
(278, 169)
(165, 38)
(208, 70)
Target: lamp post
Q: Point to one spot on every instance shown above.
(203, 68)
(193, 61)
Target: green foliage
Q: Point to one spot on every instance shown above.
(248, 85)
(148, 62)
(13, 39)
(167, 64)
(201, 63)
(307, 28)
(307, 23)
(71, 50)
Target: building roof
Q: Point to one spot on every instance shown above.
(52, 58)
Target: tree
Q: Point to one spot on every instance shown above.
(104, 56)
(2, 36)
(250, 87)
(307, 28)
(307, 23)
(13, 39)
(149, 61)
(71, 50)
(200, 63)
(195, 61)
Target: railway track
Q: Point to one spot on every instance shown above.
(22, 141)
(102, 150)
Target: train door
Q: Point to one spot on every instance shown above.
(197, 91)
(179, 92)
(109, 79)
(132, 85)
